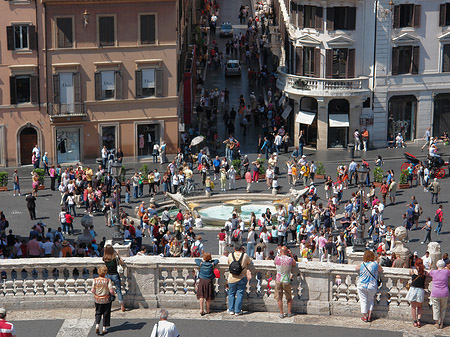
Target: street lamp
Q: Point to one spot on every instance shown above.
(360, 243)
(115, 171)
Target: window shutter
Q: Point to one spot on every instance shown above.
(299, 61)
(12, 89)
(442, 15)
(293, 7)
(319, 18)
(300, 16)
(317, 62)
(351, 63)
(32, 37)
(415, 60)
(10, 37)
(329, 63)
(77, 87)
(395, 60)
(396, 21)
(352, 18)
(56, 89)
(118, 85)
(416, 16)
(446, 58)
(138, 77)
(159, 82)
(98, 86)
(34, 88)
(330, 18)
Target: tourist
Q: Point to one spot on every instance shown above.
(222, 243)
(16, 183)
(238, 261)
(164, 328)
(439, 218)
(31, 205)
(112, 259)
(367, 283)
(416, 291)
(435, 189)
(284, 263)
(428, 228)
(103, 291)
(6, 328)
(248, 179)
(205, 289)
(251, 241)
(439, 292)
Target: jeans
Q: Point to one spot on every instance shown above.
(342, 255)
(434, 196)
(64, 227)
(141, 190)
(127, 197)
(438, 228)
(300, 149)
(135, 192)
(72, 208)
(236, 293)
(115, 278)
(250, 248)
(428, 236)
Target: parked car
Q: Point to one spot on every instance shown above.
(233, 68)
(226, 29)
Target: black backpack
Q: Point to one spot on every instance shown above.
(235, 267)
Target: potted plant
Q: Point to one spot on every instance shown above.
(41, 175)
(144, 171)
(3, 181)
(237, 166)
(122, 175)
(262, 170)
(378, 176)
(404, 179)
(320, 171)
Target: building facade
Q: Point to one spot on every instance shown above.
(106, 75)
(348, 65)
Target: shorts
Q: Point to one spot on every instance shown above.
(146, 225)
(216, 169)
(16, 187)
(281, 288)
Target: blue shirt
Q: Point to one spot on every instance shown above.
(206, 268)
(216, 163)
(366, 280)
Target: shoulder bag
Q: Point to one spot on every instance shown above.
(379, 282)
(120, 269)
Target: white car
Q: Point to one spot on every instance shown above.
(233, 68)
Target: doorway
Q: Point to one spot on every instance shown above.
(402, 116)
(441, 120)
(308, 120)
(28, 139)
(338, 123)
(147, 136)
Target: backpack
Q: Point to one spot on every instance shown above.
(420, 210)
(235, 267)
(255, 236)
(195, 251)
(236, 234)
(436, 217)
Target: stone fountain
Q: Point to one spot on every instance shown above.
(179, 200)
(237, 203)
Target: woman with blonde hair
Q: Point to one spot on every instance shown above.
(112, 259)
(416, 291)
(367, 284)
(103, 290)
(205, 290)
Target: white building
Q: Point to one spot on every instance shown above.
(329, 49)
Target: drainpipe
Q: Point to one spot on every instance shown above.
(374, 53)
(46, 53)
(37, 52)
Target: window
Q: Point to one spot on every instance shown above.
(406, 15)
(340, 63)
(405, 60)
(64, 33)
(108, 85)
(148, 28)
(446, 58)
(148, 82)
(24, 89)
(308, 61)
(341, 18)
(67, 92)
(106, 31)
(309, 16)
(444, 15)
(21, 36)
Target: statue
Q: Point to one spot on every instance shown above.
(435, 253)
(296, 194)
(179, 200)
(86, 221)
(400, 249)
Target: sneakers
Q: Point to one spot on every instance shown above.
(238, 313)
(231, 312)
(422, 243)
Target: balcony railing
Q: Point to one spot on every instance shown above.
(303, 85)
(67, 110)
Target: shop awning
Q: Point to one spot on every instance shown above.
(339, 121)
(281, 100)
(286, 112)
(305, 117)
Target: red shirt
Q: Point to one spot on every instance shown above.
(222, 236)
(6, 329)
(180, 216)
(132, 230)
(69, 218)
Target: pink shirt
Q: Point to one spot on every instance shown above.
(322, 242)
(440, 282)
(34, 248)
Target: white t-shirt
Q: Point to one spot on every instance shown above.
(165, 329)
(427, 261)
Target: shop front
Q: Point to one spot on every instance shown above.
(146, 137)
(68, 144)
(338, 123)
(307, 117)
(402, 116)
(441, 118)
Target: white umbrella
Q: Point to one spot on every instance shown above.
(197, 140)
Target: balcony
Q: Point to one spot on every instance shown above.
(326, 87)
(66, 110)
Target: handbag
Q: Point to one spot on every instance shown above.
(379, 282)
(113, 298)
(408, 285)
(119, 266)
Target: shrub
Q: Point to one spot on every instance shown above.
(320, 168)
(41, 174)
(404, 177)
(378, 174)
(237, 166)
(122, 173)
(262, 170)
(144, 171)
(3, 179)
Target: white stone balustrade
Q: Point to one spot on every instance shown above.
(303, 85)
(150, 282)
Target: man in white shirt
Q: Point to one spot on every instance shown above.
(164, 328)
(37, 153)
(278, 141)
(104, 157)
(427, 260)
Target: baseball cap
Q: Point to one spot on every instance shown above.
(415, 253)
(2, 311)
